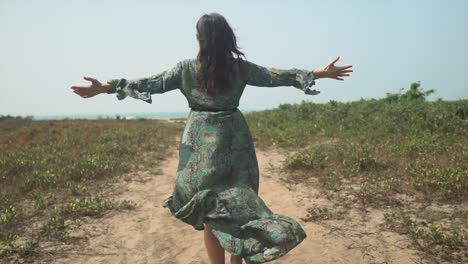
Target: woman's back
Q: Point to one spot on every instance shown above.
(198, 98)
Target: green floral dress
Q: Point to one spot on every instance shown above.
(217, 178)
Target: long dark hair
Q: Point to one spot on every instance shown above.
(218, 44)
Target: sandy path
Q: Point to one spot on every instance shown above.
(150, 235)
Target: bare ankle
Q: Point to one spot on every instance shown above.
(236, 259)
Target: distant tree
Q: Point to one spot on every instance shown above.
(415, 92)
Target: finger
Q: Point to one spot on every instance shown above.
(345, 67)
(80, 90)
(78, 93)
(338, 78)
(81, 93)
(90, 79)
(342, 74)
(334, 60)
(79, 87)
(346, 71)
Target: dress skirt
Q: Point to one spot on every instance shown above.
(217, 185)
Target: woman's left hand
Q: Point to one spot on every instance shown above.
(332, 71)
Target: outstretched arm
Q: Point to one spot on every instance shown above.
(141, 88)
(272, 77)
(302, 79)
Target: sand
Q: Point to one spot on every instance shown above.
(149, 234)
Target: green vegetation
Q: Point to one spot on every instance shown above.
(427, 232)
(53, 172)
(415, 146)
(429, 236)
(375, 151)
(323, 213)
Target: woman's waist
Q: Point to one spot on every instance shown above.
(215, 113)
(210, 110)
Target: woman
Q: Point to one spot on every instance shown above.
(216, 186)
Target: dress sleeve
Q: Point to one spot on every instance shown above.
(142, 88)
(271, 77)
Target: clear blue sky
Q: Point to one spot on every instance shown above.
(47, 46)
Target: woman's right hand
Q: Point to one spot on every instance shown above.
(93, 89)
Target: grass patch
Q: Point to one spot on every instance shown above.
(91, 206)
(10, 218)
(429, 236)
(52, 172)
(432, 179)
(323, 213)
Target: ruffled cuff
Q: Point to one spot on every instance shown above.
(124, 88)
(306, 79)
(113, 85)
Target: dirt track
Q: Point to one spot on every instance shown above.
(149, 234)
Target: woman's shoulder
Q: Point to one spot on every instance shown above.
(239, 60)
(186, 62)
(241, 64)
(189, 64)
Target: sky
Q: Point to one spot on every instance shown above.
(47, 46)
